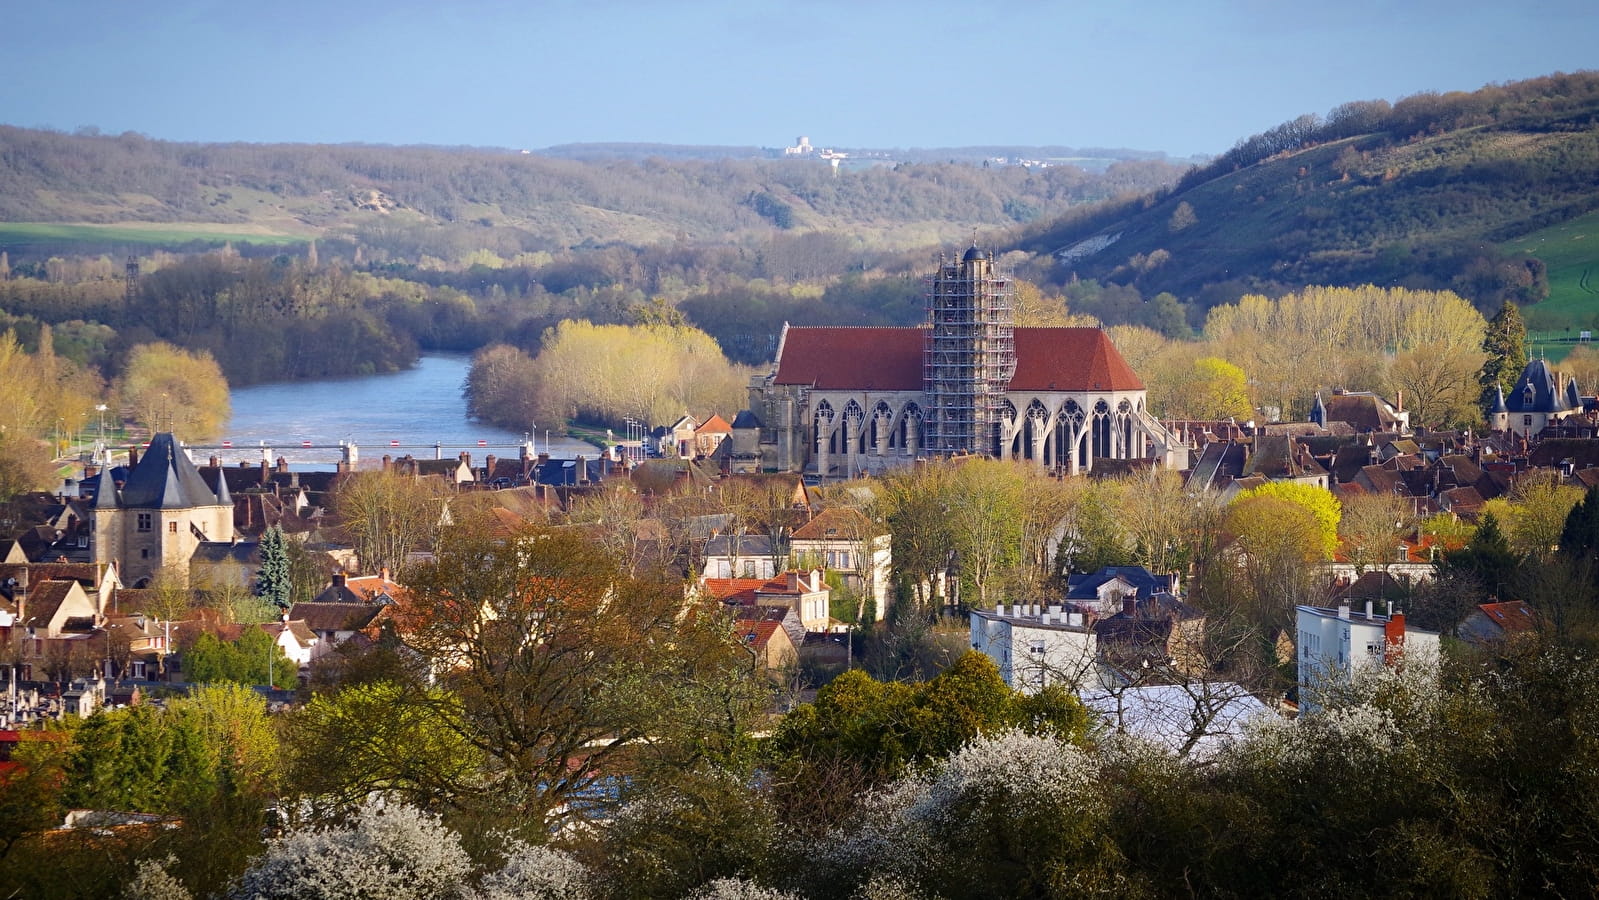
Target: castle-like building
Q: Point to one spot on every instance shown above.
(158, 515)
(1540, 398)
(843, 402)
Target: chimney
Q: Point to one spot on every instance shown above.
(387, 459)
(1130, 605)
(582, 470)
(544, 458)
(133, 457)
(214, 463)
(283, 464)
(338, 579)
(1394, 637)
(1368, 610)
(1343, 612)
(488, 466)
(383, 573)
(1399, 400)
(266, 473)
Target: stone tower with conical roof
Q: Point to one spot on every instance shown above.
(1537, 401)
(156, 518)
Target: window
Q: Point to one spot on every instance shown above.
(144, 521)
(172, 527)
(1036, 646)
(144, 554)
(1526, 421)
(1374, 651)
(749, 568)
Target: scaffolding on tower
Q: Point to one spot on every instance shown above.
(969, 356)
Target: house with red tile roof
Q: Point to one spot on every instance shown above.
(710, 435)
(765, 639)
(843, 402)
(1492, 623)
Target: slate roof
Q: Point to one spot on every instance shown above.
(890, 359)
(335, 616)
(165, 479)
(1086, 587)
(242, 552)
(750, 546)
(746, 419)
(1537, 391)
(1364, 411)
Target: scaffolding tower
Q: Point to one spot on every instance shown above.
(969, 355)
(130, 277)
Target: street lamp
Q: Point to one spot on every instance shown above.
(101, 408)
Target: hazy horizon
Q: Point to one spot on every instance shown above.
(1163, 76)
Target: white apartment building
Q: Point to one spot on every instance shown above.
(1336, 643)
(1037, 646)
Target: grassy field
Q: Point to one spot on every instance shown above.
(17, 234)
(1571, 253)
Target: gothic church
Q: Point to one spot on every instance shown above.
(843, 402)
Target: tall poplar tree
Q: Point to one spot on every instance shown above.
(1505, 342)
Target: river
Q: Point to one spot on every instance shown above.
(419, 408)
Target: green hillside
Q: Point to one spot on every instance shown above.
(1570, 254)
(530, 202)
(1431, 191)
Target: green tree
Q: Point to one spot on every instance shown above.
(384, 736)
(170, 388)
(879, 728)
(1579, 537)
(1213, 389)
(1486, 560)
(1318, 501)
(246, 661)
(1505, 342)
(273, 580)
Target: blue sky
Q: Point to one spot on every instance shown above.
(1183, 77)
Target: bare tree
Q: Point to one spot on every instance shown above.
(390, 514)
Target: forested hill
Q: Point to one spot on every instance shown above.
(538, 202)
(1419, 193)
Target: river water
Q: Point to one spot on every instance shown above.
(419, 408)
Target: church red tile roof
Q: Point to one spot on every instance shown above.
(1070, 359)
(890, 359)
(878, 359)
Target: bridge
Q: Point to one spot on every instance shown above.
(350, 453)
